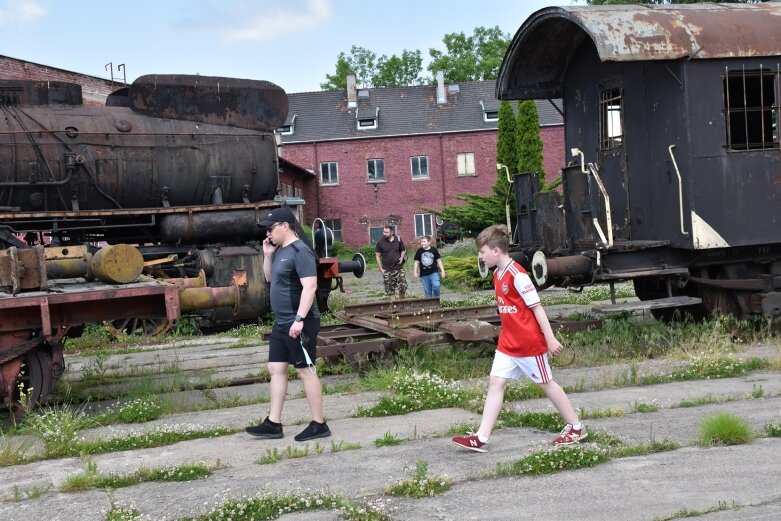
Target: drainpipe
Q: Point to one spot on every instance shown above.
(442, 171)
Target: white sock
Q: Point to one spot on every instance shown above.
(578, 426)
(482, 439)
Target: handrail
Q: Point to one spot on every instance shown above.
(680, 188)
(608, 214)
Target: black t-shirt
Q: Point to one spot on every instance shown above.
(428, 260)
(390, 253)
(291, 264)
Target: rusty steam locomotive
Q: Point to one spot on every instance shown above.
(171, 177)
(672, 117)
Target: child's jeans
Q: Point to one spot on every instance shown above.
(431, 284)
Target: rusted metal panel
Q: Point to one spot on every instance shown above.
(252, 104)
(535, 63)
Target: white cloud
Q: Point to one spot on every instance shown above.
(24, 11)
(282, 21)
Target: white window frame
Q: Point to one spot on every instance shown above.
(424, 224)
(334, 171)
(368, 172)
(465, 163)
(417, 159)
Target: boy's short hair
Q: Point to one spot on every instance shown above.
(495, 236)
(427, 237)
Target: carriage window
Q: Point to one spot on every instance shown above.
(751, 108)
(610, 119)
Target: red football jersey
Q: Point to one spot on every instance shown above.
(515, 296)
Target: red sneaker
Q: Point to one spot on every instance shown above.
(570, 435)
(471, 442)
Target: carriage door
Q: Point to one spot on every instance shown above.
(612, 162)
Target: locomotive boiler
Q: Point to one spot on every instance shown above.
(170, 179)
(674, 181)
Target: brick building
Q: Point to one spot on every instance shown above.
(384, 155)
(94, 90)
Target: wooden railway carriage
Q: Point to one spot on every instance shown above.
(671, 115)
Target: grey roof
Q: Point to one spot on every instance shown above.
(541, 50)
(324, 116)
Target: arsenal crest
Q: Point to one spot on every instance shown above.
(505, 288)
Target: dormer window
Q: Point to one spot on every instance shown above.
(367, 117)
(289, 127)
(490, 110)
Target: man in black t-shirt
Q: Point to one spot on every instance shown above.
(391, 255)
(291, 267)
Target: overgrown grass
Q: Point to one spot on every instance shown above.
(724, 428)
(548, 461)
(685, 512)
(547, 421)
(773, 430)
(273, 506)
(417, 391)
(92, 479)
(419, 484)
(13, 452)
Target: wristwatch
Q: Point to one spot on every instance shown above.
(298, 318)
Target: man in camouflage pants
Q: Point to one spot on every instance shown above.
(391, 255)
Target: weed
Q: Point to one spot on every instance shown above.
(414, 392)
(522, 391)
(292, 452)
(651, 447)
(696, 402)
(91, 479)
(271, 456)
(274, 506)
(773, 430)
(121, 513)
(344, 445)
(419, 485)
(645, 407)
(547, 421)
(724, 429)
(593, 414)
(697, 513)
(388, 439)
(757, 391)
(13, 452)
(58, 426)
(548, 461)
(138, 410)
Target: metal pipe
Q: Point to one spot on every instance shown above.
(191, 299)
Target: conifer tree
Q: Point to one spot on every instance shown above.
(528, 142)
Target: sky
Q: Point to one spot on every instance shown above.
(293, 43)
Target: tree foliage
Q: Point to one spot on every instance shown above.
(371, 71)
(528, 142)
(470, 58)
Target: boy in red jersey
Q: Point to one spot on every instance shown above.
(524, 343)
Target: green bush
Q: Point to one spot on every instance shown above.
(462, 273)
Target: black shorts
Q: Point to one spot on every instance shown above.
(284, 348)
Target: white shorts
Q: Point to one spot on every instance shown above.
(535, 368)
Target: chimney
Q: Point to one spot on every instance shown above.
(441, 98)
(352, 94)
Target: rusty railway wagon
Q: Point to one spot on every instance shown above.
(183, 168)
(672, 117)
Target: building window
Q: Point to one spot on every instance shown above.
(752, 108)
(329, 173)
(336, 226)
(419, 167)
(375, 233)
(424, 224)
(466, 163)
(376, 169)
(610, 119)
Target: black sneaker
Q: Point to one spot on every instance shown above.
(313, 431)
(268, 429)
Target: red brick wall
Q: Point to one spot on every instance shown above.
(94, 90)
(356, 202)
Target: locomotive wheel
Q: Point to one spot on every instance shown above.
(33, 381)
(138, 326)
(650, 288)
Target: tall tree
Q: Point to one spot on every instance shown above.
(399, 71)
(469, 58)
(506, 148)
(528, 142)
(370, 71)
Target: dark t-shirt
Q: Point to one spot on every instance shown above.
(428, 260)
(390, 253)
(291, 263)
